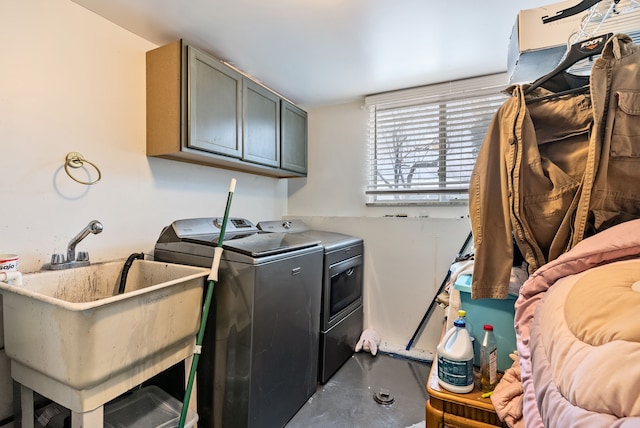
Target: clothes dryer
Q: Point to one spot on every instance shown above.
(341, 312)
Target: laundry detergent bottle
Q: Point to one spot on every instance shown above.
(455, 358)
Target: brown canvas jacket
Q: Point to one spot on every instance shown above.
(553, 172)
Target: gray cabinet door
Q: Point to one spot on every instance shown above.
(215, 105)
(261, 125)
(293, 138)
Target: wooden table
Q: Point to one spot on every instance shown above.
(445, 408)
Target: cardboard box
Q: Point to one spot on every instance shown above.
(533, 34)
(526, 67)
(536, 48)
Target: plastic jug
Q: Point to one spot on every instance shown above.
(455, 358)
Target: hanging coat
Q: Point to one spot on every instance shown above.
(553, 172)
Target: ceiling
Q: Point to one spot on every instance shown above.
(321, 52)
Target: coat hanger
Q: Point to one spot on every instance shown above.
(582, 6)
(578, 51)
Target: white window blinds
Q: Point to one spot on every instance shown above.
(423, 142)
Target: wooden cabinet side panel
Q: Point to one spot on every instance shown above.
(164, 99)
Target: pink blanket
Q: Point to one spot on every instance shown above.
(507, 397)
(543, 401)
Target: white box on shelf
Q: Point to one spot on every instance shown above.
(532, 33)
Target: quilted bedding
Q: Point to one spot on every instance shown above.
(578, 335)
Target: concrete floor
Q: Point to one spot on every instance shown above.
(347, 400)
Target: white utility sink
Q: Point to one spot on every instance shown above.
(72, 338)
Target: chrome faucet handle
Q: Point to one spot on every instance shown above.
(57, 259)
(83, 256)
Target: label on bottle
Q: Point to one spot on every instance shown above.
(493, 367)
(488, 369)
(455, 372)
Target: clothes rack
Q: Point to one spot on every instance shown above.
(610, 16)
(606, 17)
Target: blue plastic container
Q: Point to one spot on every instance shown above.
(497, 312)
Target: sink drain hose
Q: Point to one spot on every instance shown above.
(125, 270)
(213, 278)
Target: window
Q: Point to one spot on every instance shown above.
(423, 142)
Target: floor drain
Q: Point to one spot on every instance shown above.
(383, 397)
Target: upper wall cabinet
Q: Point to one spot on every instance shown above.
(203, 111)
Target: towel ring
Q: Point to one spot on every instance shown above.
(75, 160)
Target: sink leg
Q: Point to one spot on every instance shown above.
(26, 402)
(92, 419)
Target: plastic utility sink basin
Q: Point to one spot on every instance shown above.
(72, 338)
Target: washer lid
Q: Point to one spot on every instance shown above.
(267, 244)
(330, 240)
(289, 226)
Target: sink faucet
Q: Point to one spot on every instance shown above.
(58, 261)
(94, 227)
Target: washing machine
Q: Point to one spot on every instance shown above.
(259, 359)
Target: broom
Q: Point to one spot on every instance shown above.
(213, 278)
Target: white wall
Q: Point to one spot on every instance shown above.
(72, 81)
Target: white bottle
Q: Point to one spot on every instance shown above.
(455, 358)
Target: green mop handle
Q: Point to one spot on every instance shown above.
(213, 278)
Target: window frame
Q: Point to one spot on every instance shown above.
(475, 101)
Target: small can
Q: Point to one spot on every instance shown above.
(8, 262)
